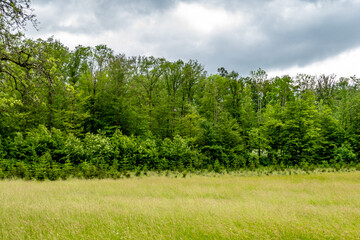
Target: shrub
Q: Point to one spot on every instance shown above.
(42, 167)
(214, 152)
(114, 170)
(20, 149)
(54, 172)
(178, 154)
(87, 170)
(344, 154)
(253, 161)
(74, 149)
(98, 146)
(124, 148)
(67, 169)
(217, 167)
(20, 170)
(147, 153)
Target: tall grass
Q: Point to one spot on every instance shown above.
(315, 206)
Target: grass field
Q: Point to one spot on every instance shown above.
(315, 206)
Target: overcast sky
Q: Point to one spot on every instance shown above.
(280, 36)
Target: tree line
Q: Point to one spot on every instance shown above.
(90, 112)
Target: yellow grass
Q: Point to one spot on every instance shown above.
(317, 206)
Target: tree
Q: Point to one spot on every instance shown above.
(193, 72)
(174, 79)
(73, 114)
(258, 80)
(16, 52)
(149, 71)
(51, 57)
(325, 89)
(93, 81)
(214, 94)
(301, 131)
(14, 16)
(117, 92)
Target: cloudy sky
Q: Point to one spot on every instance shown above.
(280, 36)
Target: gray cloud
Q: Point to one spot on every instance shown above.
(274, 34)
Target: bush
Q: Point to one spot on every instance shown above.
(87, 170)
(344, 154)
(124, 148)
(67, 170)
(217, 167)
(114, 170)
(20, 170)
(147, 154)
(42, 167)
(357, 167)
(20, 149)
(40, 140)
(54, 172)
(178, 154)
(216, 152)
(253, 161)
(74, 150)
(98, 146)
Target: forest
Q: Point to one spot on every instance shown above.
(93, 113)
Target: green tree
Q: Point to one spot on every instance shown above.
(148, 73)
(301, 132)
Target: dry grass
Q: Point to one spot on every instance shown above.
(317, 206)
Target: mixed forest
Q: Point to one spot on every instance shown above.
(90, 112)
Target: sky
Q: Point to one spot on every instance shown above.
(280, 36)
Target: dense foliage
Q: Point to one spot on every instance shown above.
(93, 113)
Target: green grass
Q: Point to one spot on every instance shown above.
(315, 206)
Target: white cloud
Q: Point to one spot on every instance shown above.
(79, 20)
(345, 64)
(206, 19)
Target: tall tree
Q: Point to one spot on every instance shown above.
(258, 80)
(149, 71)
(174, 79)
(14, 16)
(52, 58)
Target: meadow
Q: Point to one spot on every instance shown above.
(315, 206)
